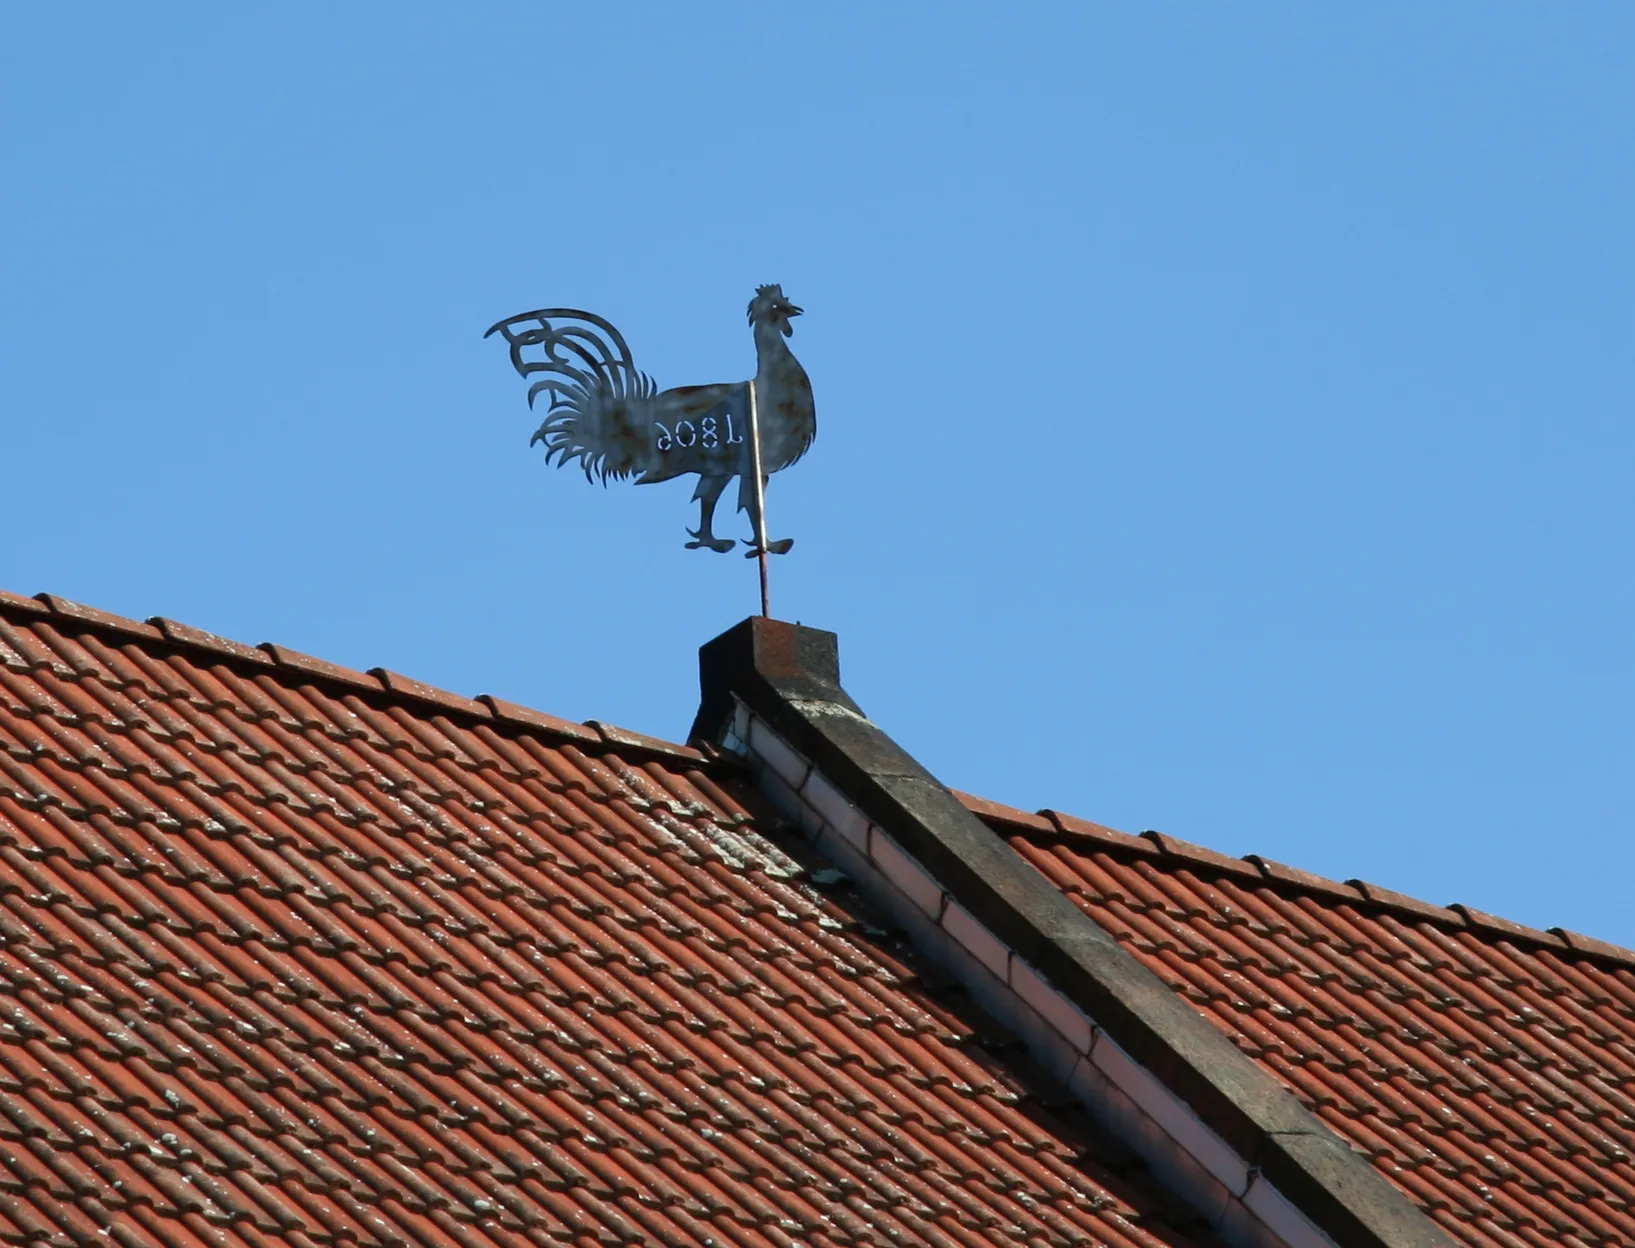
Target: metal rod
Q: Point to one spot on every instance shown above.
(760, 498)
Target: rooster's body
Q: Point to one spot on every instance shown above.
(614, 421)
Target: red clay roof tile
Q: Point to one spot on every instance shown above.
(416, 968)
(407, 968)
(1485, 1066)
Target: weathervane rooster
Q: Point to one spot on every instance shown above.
(613, 420)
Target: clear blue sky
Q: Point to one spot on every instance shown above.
(1225, 410)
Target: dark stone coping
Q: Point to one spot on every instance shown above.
(790, 676)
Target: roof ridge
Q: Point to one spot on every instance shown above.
(1046, 825)
(1229, 1139)
(268, 657)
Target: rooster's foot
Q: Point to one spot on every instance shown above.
(707, 541)
(780, 547)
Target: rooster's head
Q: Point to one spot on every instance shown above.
(769, 307)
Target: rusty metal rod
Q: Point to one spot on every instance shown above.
(760, 499)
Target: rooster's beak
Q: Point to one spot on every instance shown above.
(792, 310)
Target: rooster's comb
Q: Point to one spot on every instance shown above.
(773, 291)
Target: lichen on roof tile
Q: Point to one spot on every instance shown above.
(301, 956)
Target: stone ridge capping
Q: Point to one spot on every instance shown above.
(379, 682)
(1048, 825)
(1233, 1199)
(920, 837)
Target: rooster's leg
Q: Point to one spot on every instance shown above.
(708, 491)
(747, 504)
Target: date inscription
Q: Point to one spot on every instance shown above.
(708, 433)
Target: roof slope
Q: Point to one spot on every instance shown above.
(1488, 1069)
(293, 954)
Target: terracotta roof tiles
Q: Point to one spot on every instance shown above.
(296, 955)
(1487, 1068)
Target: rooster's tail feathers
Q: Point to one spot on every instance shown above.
(600, 400)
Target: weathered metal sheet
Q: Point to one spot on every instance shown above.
(612, 420)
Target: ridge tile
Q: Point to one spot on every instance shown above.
(527, 717)
(321, 668)
(1579, 943)
(1082, 829)
(1185, 851)
(1010, 816)
(1305, 880)
(420, 691)
(18, 602)
(623, 738)
(1411, 905)
(68, 609)
(1493, 925)
(198, 638)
